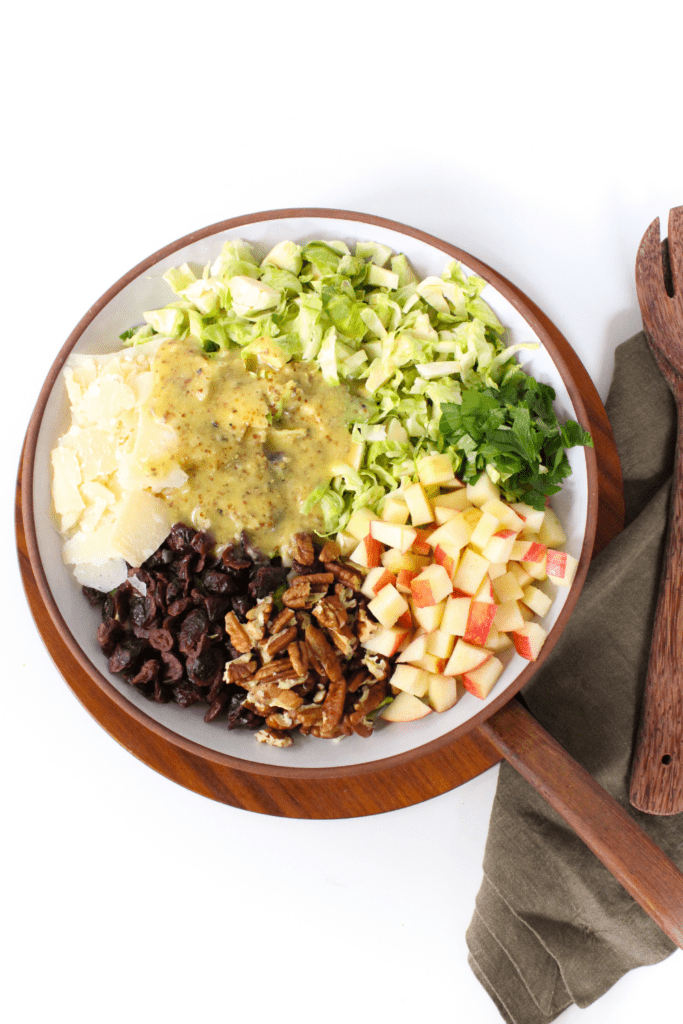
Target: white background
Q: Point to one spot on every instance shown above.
(542, 138)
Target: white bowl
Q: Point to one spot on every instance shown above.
(143, 288)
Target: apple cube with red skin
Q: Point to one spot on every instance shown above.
(448, 556)
(432, 586)
(561, 567)
(497, 641)
(429, 617)
(529, 640)
(537, 570)
(456, 500)
(359, 523)
(443, 692)
(470, 572)
(376, 579)
(496, 569)
(393, 535)
(500, 546)
(520, 573)
(418, 504)
(456, 615)
(404, 579)
(395, 510)
(480, 681)
(411, 679)
(466, 657)
(485, 592)
(536, 600)
(527, 551)
(389, 606)
(533, 518)
(479, 622)
(368, 553)
(420, 545)
(454, 533)
(386, 641)
(430, 663)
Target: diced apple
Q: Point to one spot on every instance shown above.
(393, 535)
(470, 572)
(519, 572)
(484, 530)
(397, 432)
(442, 515)
(418, 504)
(448, 556)
(536, 600)
(405, 620)
(440, 643)
(457, 500)
(404, 579)
(410, 679)
(432, 586)
(456, 532)
(504, 513)
(395, 560)
(561, 567)
(443, 692)
(346, 542)
(479, 622)
(533, 518)
(416, 649)
(537, 570)
(359, 523)
(368, 553)
(480, 681)
(388, 606)
(386, 641)
(376, 579)
(430, 663)
(507, 588)
(527, 551)
(486, 592)
(551, 533)
(497, 641)
(483, 490)
(508, 617)
(500, 546)
(465, 657)
(456, 615)
(529, 640)
(527, 613)
(405, 707)
(395, 510)
(421, 543)
(496, 569)
(429, 617)
(434, 469)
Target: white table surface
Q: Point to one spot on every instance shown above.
(544, 143)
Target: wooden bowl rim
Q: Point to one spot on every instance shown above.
(206, 753)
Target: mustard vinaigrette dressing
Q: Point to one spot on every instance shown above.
(253, 444)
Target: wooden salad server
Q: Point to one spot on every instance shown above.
(657, 772)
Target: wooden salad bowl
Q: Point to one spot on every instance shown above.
(502, 729)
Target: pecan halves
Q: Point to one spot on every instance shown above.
(302, 548)
(274, 737)
(333, 705)
(325, 654)
(298, 655)
(351, 577)
(239, 638)
(277, 643)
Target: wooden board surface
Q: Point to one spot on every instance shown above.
(353, 794)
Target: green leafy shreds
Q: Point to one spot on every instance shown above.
(512, 432)
(428, 358)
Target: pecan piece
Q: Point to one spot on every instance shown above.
(351, 577)
(278, 642)
(302, 548)
(281, 670)
(330, 613)
(297, 596)
(330, 551)
(274, 737)
(325, 654)
(267, 694)
(282, 620)
(239, 639)
(239, 670)
(333, 706)
(298, 655)
(344, 640)
(365, 626)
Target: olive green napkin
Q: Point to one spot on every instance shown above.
(551, 925)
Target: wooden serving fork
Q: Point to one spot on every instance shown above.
(657, 772)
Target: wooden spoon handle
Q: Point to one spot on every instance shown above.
(627, 852)
(657, 773)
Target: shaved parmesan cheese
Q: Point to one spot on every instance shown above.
(143, 523)
(66, 478)
(102, 577)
